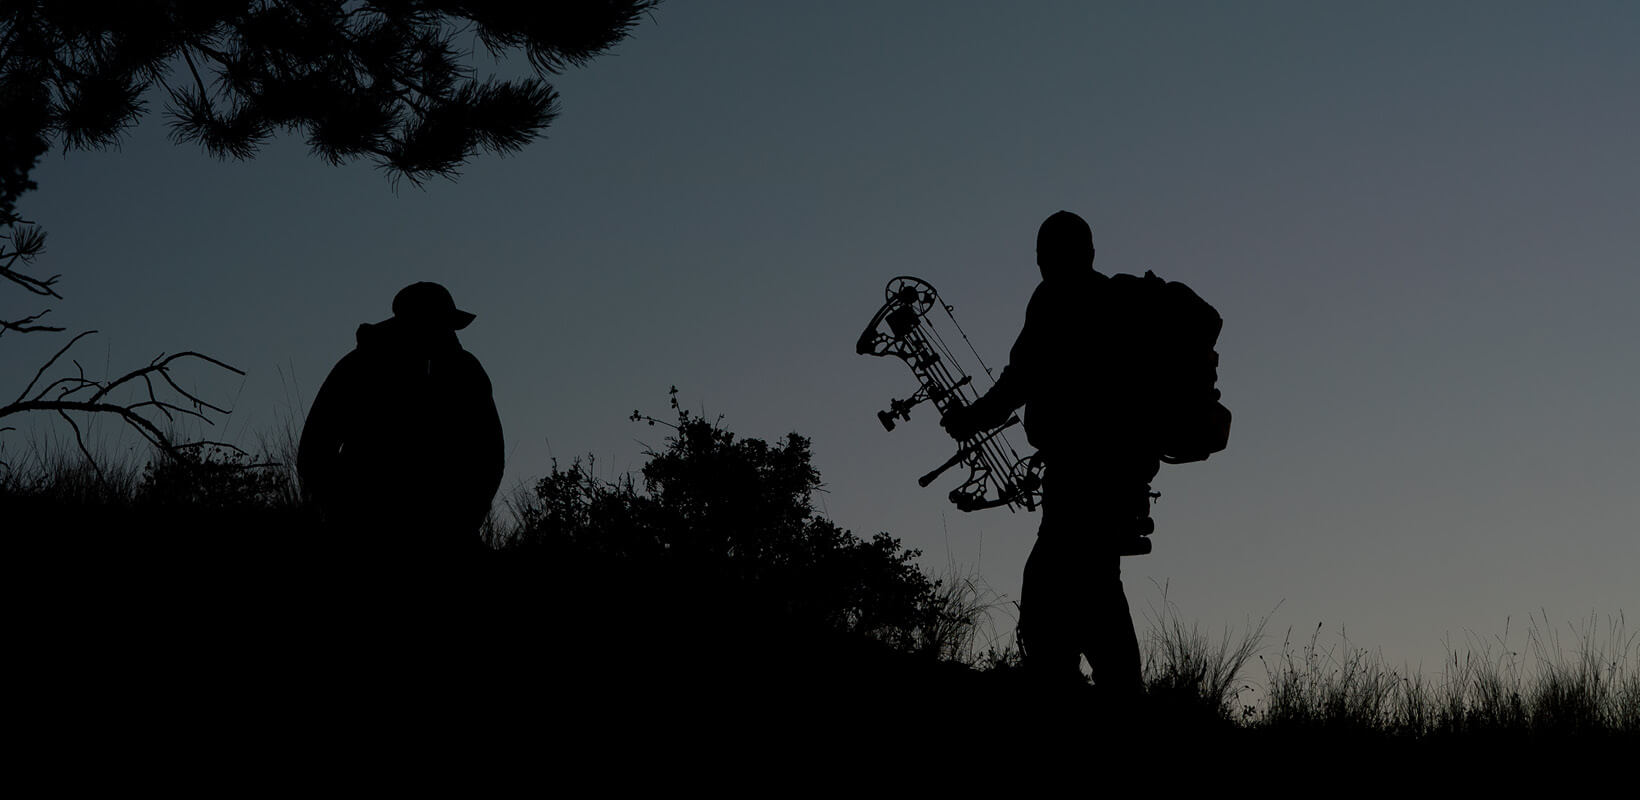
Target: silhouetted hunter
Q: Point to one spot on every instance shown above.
(1116, 375)
(402, 449)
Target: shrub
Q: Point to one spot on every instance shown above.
(215, 478)
(738, 512)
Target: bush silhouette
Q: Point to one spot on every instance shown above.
(736, 516)
(215, 478)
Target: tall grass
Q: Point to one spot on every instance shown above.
(52, 472)
(193, 477)
(964, 627)
(1590, 686)
(1568, 681)
(1188, 671)
(1336, 687)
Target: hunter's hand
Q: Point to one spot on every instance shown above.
(961, 422)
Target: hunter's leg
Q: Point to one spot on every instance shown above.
(1047, 618)
(1109, 637)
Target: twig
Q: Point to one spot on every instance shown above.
(159, 365)
(167, 408)
(197, 82)
(36, 285)
(223, 445)
(80, 440)
(47, 365)
(25, 325)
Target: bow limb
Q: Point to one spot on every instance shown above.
(870, 340)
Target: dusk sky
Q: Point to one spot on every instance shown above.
(1420, 222)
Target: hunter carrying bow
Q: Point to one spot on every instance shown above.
(1116, 375)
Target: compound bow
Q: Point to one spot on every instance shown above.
(997, 475)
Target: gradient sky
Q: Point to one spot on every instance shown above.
(1420, 221)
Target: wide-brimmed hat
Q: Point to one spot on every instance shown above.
(431, 304)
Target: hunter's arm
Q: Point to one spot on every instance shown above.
(1013, 387)
(323, 434)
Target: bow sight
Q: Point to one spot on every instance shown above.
(902, 328)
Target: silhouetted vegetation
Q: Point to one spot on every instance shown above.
(387, 81)
(704, 594)
(1487, 691)
(202, 477)
(738, 512)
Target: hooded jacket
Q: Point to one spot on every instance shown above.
(404, 430)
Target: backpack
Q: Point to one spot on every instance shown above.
(1175, 331)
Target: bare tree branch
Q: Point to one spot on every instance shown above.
(148, 429)
(66, 394)
(47, 365)
(80, 440)
(160, 364)
(26, 324)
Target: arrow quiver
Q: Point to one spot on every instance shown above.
(904, 329)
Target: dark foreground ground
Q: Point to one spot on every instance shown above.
(209, 648)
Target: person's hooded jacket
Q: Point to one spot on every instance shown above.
(404, 431)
